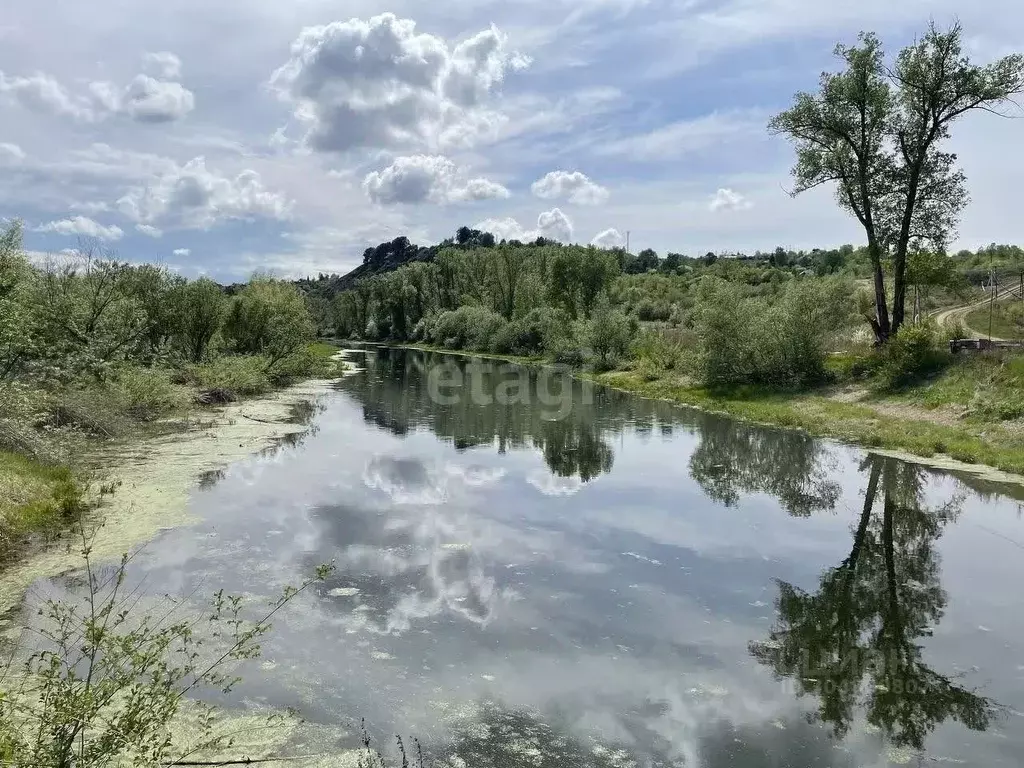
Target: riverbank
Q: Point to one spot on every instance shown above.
(903, 423)
(153, 477)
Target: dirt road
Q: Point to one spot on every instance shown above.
(944, 316)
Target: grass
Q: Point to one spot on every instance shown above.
(40, 496)
(1006, 324)
(981, 442)
(984, 388)
(34, 497)
(252, 375)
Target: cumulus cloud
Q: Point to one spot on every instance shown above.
(164, 63)
(149, 231)
(552, 225)
(380, 83)
(427, 178)
(728, 200)
(193, 197)
(83, 226)
(41, 93)
(145, 99)
(575, 186)
(182, 251)
(555, 225)
(148, 100)
(609, 238)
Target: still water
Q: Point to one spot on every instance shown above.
(618, 582)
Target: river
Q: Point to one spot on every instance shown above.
(532, 571)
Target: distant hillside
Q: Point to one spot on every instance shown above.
(389, 256)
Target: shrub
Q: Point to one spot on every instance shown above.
(916, 352)
(147, 393)
(240, 375)
(528, 335)
(468, 327)
(198, 314)
(780, 342)
(658, 350)
(93, 408)
(108, 677)
(649, 311)
(955, 329)
(608, 334)
(269, 317)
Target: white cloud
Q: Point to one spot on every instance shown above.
(149, 100)
(145, 99)
(41, 93)
(164, 63)
(427, 178)
(84, 227)
(93, 206)
(728, 200)
(551, 225)
(182, 251)
(11, 153)
(686, 137)
(149, 231)
(380, 83)
(609, 238)
(552, 485)
(193, 197)
(575, 186)
(555, 225)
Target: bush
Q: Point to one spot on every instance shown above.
(658, 350)
(240, 375)
(306, 363)
(92, 408)
(917, 351)
(649, 311)
(529, 335)
(778, 343)
(269, 317)
(198, 313)
(608, 334)
(468, 327)
(147, 393)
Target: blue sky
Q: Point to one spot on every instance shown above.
(223, 138)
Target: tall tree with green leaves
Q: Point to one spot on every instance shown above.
(877, 130)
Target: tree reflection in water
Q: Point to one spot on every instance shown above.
(394, 393)
(855, 643)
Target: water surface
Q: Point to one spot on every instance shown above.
(620, 582)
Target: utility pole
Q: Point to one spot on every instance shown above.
(627, 241)
(992, 297)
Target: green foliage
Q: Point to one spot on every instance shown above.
(533, 334)
(776, 344)
(268, 317)
(917, 352)
(470, 327)
(198, 311)
(658, 351)
(147, 394)
(608, 334)
(241, 375)
(876, 129)
(34, 496)
(105, 678)
(18, 325)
